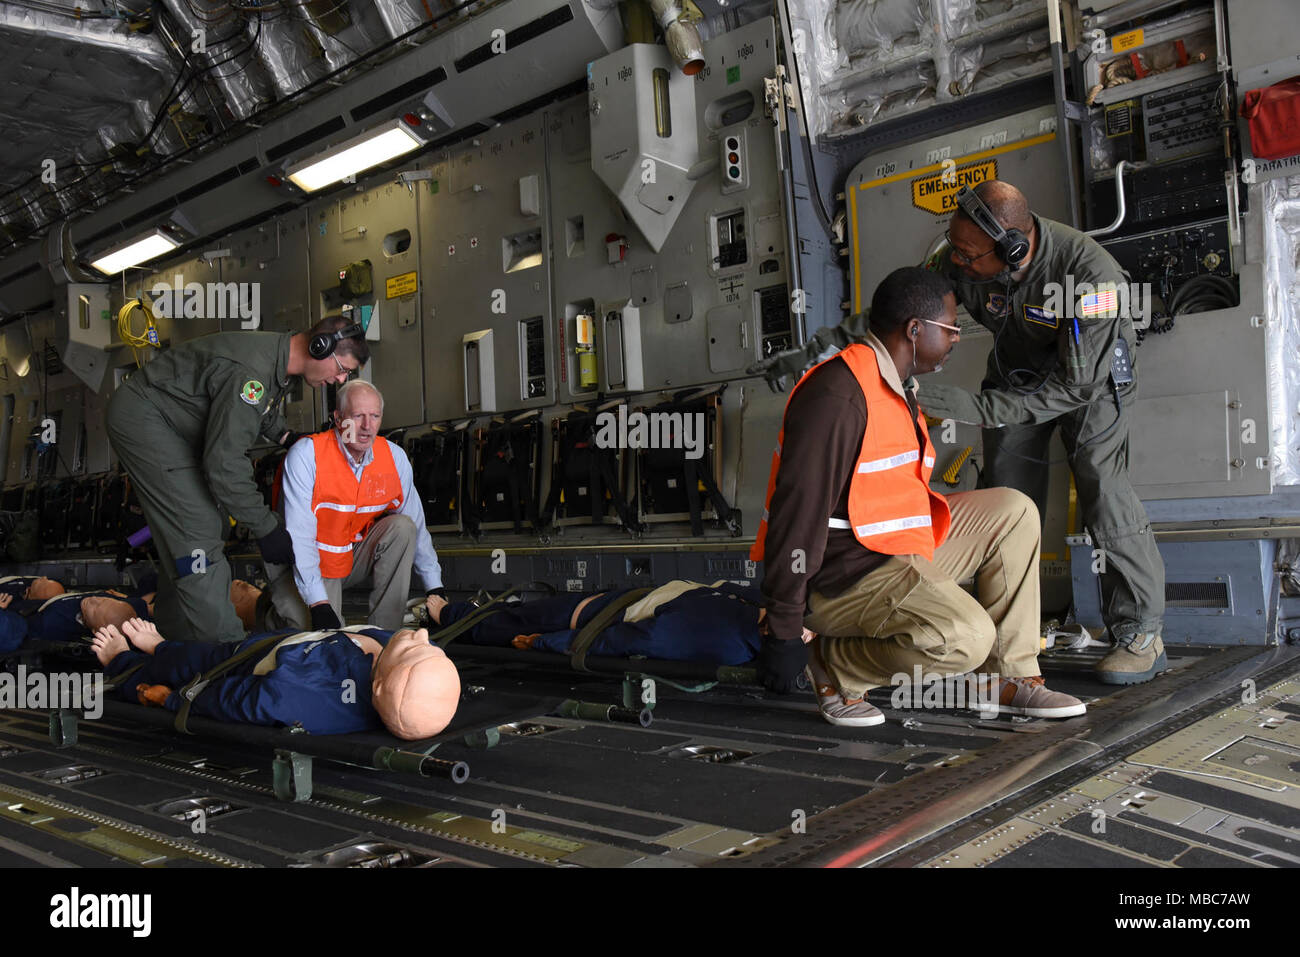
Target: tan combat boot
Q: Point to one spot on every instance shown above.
(1135, 658)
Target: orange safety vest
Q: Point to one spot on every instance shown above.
(345, 508)
(892, 509)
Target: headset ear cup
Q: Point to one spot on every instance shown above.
(323, 344)
(1014, 247)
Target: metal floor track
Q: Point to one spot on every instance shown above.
(730, 776)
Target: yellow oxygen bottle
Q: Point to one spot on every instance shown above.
(585, 347)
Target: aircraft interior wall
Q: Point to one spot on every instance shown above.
(516, 241)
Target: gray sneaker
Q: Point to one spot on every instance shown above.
(835, 708)
(1030, 696)
(1135, 658)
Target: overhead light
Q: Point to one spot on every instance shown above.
(141, 249)
(18, 349)
(386, 142)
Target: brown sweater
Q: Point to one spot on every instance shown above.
(824, 425)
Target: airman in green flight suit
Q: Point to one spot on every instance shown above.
(181, 426)
(1051, 366)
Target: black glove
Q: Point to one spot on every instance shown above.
(291, 437)
(776, 368)
(780, 662)
(440, 591)
(323, 617)
(277, 546)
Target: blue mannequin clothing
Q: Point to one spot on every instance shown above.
(13, 629)
(322, 685)
(59, 618)
(709, 624)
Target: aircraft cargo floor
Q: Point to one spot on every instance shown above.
(1198, 768)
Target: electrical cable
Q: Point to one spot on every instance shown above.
(150, 335)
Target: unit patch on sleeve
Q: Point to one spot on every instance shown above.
(252, 392)
(996, 305)
(1041, 316)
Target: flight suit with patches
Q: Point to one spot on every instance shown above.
(181, 426)
(1043, 372)
(1036, 377)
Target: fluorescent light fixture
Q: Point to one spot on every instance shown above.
(18, 349)
(132, 253)
(386, 142)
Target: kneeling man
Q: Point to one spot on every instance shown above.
(860, 551)
(353, 513)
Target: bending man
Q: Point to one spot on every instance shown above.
(181, 425)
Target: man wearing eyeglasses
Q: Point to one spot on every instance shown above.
(353, 514)
(1053, 363)
(181, 426)
(861, 558)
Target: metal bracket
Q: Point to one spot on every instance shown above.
(63, 728)
(638, 691)
(778, 96)
(291, 775)
(483, 740)
(1075, 112)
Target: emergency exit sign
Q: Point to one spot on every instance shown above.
(937, 193)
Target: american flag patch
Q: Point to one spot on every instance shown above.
(1098, 304)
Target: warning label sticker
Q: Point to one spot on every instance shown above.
(937, 193)
(402, 285)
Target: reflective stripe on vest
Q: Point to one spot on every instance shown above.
(892, 509)
(893, 462)
(345, 508)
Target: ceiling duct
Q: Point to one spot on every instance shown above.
(285, 55)
(107, 35)
(335, 52)
(398, 17)
(240, 81)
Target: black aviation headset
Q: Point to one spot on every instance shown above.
(323, 344)
(1011, 244)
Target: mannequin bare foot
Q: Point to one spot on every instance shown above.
(108, 643)
(143, 634)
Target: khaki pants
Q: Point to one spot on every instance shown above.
(384, 556)
(911, 612)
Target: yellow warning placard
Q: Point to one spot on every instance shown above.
(1123, 42)
(402, 285)
(937, 193)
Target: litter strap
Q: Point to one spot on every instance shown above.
(602, 620)
(194, 687)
